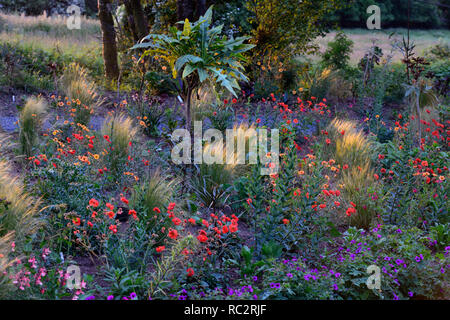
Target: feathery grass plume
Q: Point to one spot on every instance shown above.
(156, 191)
(168, 266)
(30, 121)
(6, 147)
(213, 181)
(77, 87)
(361, 188)
(348, 145)
(5, 247)
(118, 132)
(18, 210)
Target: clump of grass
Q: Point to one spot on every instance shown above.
(18, 209)
(156, 191)
(212, 182)
(30, 122)
(118, 132)
(348, 145)
(361, 188)
(76, 86)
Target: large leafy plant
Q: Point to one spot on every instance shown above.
(198, 53)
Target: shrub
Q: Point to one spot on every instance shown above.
(337, 55)
(30, 121)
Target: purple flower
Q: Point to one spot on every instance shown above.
(111, 297)
(289, 275)
(90, 298)
(255, 278)
(410, 294)
(335, 287)
(133, 296)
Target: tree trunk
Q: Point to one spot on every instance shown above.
(185, 10)
(131, 26)
(140, 21)
(109, 39)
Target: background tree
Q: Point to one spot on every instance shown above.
(190, 9)
(109, 39)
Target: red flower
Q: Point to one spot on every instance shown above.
(176, 221)
(234, 100)
(133, 213)
(160, 249)
(109, 206)
(225, 229)
(173, 234)
(76, 221)
(171, 206)
(37, 162)
(337, 203)
(124, 200)
(202, 238)
(233, 227)
(190, 272)
(285, 221)
(192, 221)
(350, 211)
(156, 209)
(93, 203)
(113, 228)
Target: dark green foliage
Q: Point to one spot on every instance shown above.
(337, 55)
(423, 14)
